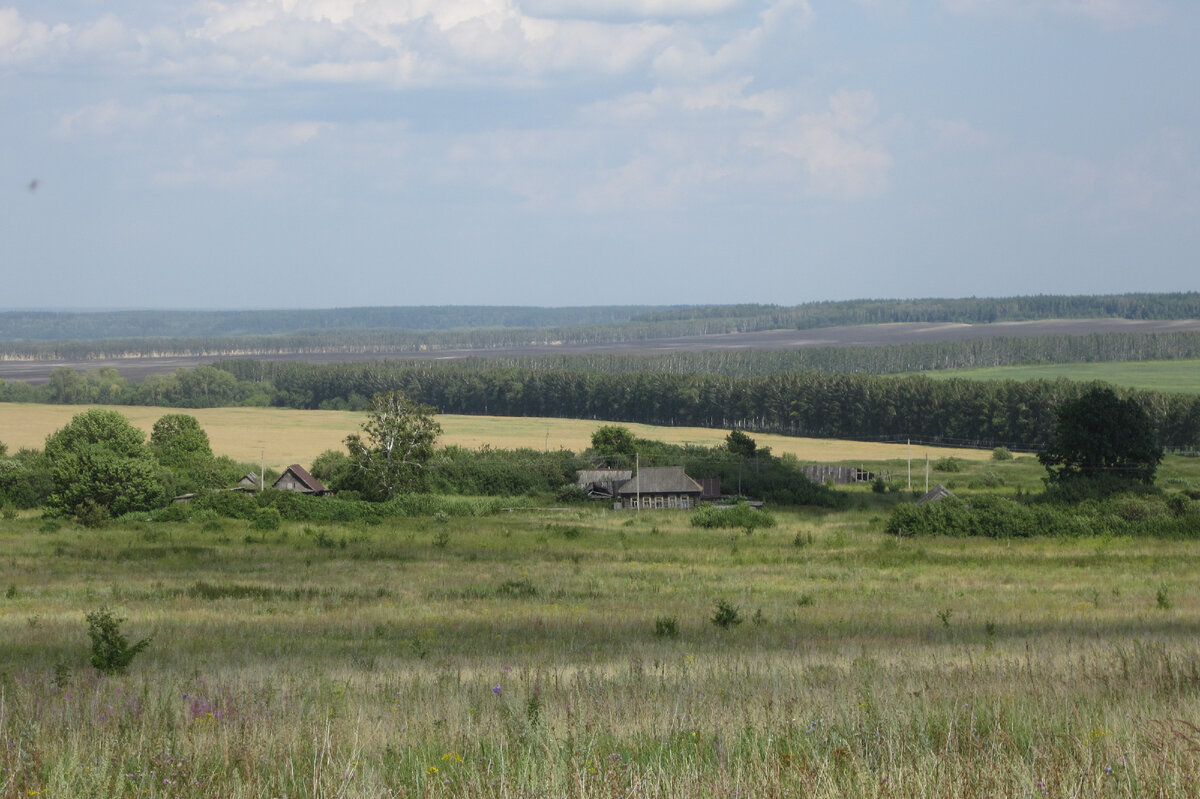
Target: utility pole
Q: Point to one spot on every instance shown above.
(910, 464)
(637, 476)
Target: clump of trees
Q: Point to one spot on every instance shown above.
(1100, 463)
(1101, 437)
(101, 467)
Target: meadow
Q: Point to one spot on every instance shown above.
(283, 437)
(1175, 377)
(574, 654)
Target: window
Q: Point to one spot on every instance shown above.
(685, 502)
(658, 502)
(671, 501)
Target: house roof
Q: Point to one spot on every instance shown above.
(301, 474)
(660, 480)
(585, 477)
(935, 494)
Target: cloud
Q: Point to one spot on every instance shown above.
(836, 147)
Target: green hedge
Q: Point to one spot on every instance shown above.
(989, 516)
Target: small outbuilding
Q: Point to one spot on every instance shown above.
(935, 494)
(660, 487)
(297, 478)
(602, 483)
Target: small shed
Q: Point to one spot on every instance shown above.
(297, 478)
(602, 483)
(935, 494)
(660, 487)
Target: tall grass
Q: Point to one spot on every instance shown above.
(391, 665)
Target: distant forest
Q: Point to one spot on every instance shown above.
(53, 335)
(836, 392)
(1015, 414)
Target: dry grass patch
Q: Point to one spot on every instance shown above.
(285, 436)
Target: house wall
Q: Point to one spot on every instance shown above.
(661, 501)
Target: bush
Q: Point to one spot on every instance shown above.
(111, 652)
(666, 627)
(229, 504)
(1002, 454)
(266, 519)
(948, 464)
(726, 615)
(740, 515)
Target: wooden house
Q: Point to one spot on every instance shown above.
(659, 487)
(297, 478)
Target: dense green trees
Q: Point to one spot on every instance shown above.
(178, 441)
(1099, 436)
(101, 467)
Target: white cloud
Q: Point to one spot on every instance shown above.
(836, 147)
(23, 41)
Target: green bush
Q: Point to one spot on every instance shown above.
(948, 464)
(741, 515)
(726, 615)
(1000, 517)
(1002, 454)
(266, 519)
(228, 504)
(111, 651)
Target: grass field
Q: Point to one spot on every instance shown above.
(1178, 377)
(517, 656)
(284, 437)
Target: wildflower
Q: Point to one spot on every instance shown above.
(455, 756)
(497, 690)
(432, 770)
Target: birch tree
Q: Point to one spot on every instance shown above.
(396, 442)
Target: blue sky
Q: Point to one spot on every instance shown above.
(319, 153)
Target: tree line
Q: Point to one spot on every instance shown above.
(1016, 414)
(63, 335)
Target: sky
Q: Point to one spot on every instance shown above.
(341, 153)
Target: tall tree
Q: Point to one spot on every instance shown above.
(397, 440)
(178, 441)
(1100, 435)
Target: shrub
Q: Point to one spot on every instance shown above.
(516, 589)
(740, 515)
(726, 615)
(111, 651)
(1002, 454)
(666, 627)
(266, 519)
(948, 464)
(91, 513)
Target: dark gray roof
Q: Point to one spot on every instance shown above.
(585, 477)
(660, 480)
(935, 494)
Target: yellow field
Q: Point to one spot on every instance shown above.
(283, 437)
